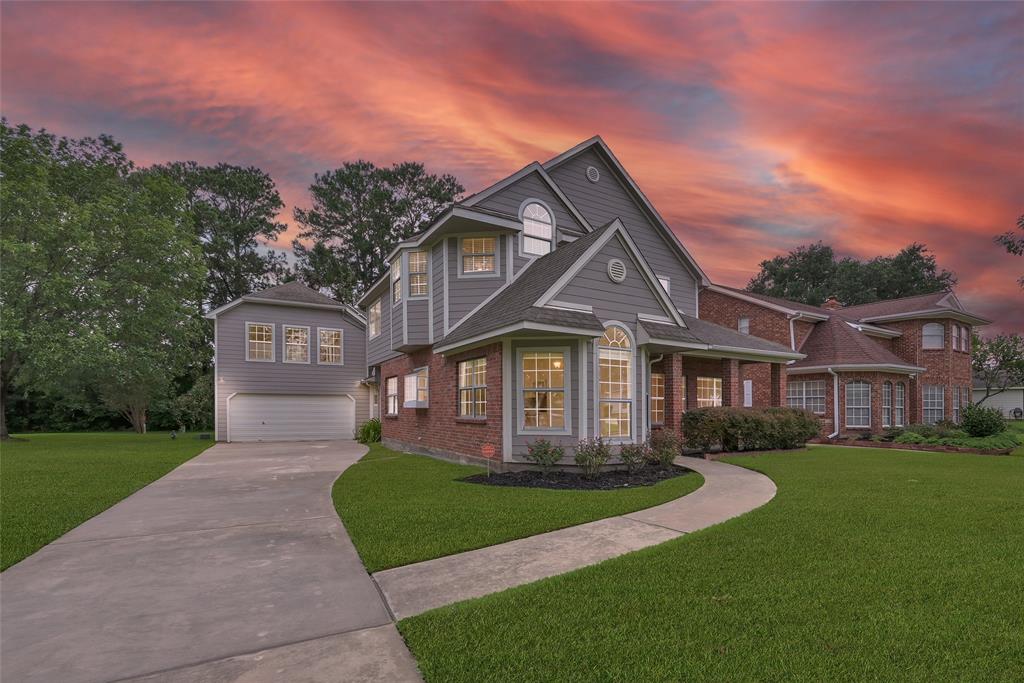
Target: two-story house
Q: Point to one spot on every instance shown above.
(555, 304)
(876, 366)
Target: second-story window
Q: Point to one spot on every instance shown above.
(259, 342)
(538, 229)
(478, 255)
(933, 336)
(417, 273)
(743, 326)
(396, 280)
(329, 346)
(296, 344)
(373, 319)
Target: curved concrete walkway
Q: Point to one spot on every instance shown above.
(232, 567)
(728, 492)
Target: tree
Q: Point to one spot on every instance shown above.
(1014, 243)
(234, 213)
(99, 267)
(811, 273)
(358, 213)
(998, 363)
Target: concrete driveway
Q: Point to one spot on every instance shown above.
(233, 566)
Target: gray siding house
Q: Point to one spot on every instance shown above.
(290, 364)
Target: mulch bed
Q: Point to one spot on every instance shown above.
(934, 448)
(605, 481)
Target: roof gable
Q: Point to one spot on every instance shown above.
(834, 342)
(532, 181)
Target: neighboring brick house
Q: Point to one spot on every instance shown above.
(889, 363)
(555, 304)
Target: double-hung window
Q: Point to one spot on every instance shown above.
(615, 382)
(374, 318)
(887, 404)
(806, 395)
(933, 336)
(418, 286)
(933, 399)
(479, 255)
(391, 391)
(543, 390)
(657, 398)
(858, 404)
(296, 344)
(965, 339)
(329, 346)
(473, 388)
(709, 392)
(538, 229)
(956, 337)
(956, 404)
(899, 405)
(259, 344)
(396, 279)
(743, 326)
(417, 389)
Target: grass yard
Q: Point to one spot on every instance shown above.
(1017, 427)
(51, 483)
(401, 508)
(868, 565)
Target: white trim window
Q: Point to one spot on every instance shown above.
(473, 388)
(329, 348)
(709, 392)
(543, 388)
(743, 325)
(666, 283)
(396, 280)
(479, 256)
(899, 405)
(858, 404)
(933, 403)
(956, 404)
(615, 383)
(373, 318)
(538, 229)
(417, 389)
(956, 337)
(965, 339)
(391, 393)
(933, 336)
(259, 342)
(296, 344)
(419, 287)
(658, 398)
(807, 395)
(887, 404)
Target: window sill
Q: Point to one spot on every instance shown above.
(391, 416)
(471, 420)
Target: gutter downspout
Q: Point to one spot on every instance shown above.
(835, 402)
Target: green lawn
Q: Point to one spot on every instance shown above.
(51, 483)
(1017, 426)
(401, 508)
(868, 565)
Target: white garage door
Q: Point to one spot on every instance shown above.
(270, 417)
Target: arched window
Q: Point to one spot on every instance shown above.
(538, 229)
(615, 380)
(933, 336)
(887, 404)
(858, 404)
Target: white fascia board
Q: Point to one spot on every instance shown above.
(694, 346)
(929, 314)
(784, 355)
(569, 306)
(517, 327)
(858, 367)
(806, 315)
(874, 331)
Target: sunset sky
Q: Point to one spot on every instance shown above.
(752, 127)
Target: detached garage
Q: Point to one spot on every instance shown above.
(285, 417)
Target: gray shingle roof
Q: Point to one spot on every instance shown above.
(514, 303)
(294, 291)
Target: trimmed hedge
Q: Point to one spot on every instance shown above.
(748, 429)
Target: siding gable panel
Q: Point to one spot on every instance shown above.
(532, 186)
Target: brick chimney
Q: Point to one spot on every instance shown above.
(832, 304)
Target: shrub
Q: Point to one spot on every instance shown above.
(910, 437)
(194, 408)
(634, 456)
(745, 429)
(591, 455)
(665, 445)
(544, 454)
(981, 421)
(369, 431)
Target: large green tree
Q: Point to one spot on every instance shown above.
(358, 213)
(811, 273)
(998, 363)
(234, 213)
(100, 272)
(1013, 242)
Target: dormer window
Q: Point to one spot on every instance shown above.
(933, 336)
(538, 229)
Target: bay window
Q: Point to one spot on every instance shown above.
(615, 382)
(933, 336)
(808, 395)
(933, 399)
(417, 389)
(473, 388)
(418, 274)
(858, 404)
(709, 392)
(396, 280)
(956, 404)
(899, 405)
(543, 390)
(887, 404)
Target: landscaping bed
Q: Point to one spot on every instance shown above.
(557, 479)
(935, 448)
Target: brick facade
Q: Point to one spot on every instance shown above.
(438, 429)
(726, 311)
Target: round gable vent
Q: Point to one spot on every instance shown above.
(616, 270)
(593, 175)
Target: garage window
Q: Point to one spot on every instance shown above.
(259, 342)
(329, 346)
(296, 344)
(392, 395)
(417, 390)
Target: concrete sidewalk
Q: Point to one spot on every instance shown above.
(233, 566)
(728, 492)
